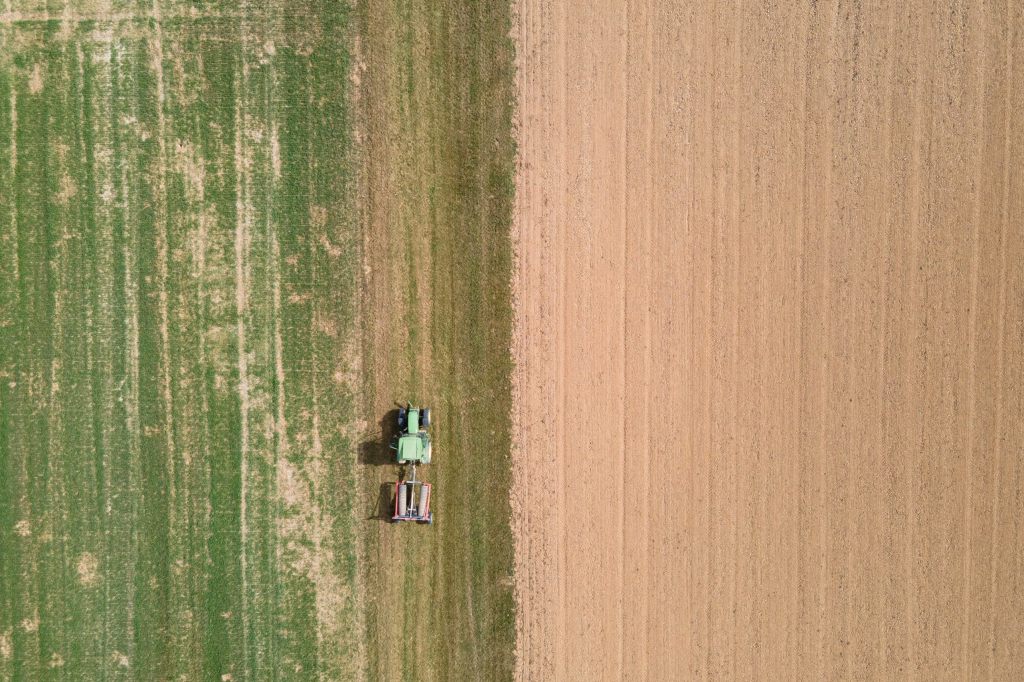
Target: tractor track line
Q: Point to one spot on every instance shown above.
(562, 406)
(241, 306)
(997, 467)
(14, 171)
(162, 256)
(972, 347)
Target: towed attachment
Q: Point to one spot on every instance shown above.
(412, 502)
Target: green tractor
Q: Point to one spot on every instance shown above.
(413, 441)
(412, 497)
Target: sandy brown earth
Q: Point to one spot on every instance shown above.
(770, 340)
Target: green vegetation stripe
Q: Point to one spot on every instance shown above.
(179, 254)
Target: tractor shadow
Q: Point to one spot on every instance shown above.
(376, 451)
(385, 504)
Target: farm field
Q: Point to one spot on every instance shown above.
(180, 342)
(438, 165)
(770, 313)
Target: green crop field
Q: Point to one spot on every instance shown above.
(232, 236)
(179, 342)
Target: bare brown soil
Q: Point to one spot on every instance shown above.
(770, 340)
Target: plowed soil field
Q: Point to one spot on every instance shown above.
(770, 340)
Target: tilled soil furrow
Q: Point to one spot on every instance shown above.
(798, 409)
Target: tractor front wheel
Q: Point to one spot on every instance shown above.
(425, 417)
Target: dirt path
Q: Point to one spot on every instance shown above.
(771, 302)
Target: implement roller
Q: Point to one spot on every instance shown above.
(412, 501)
